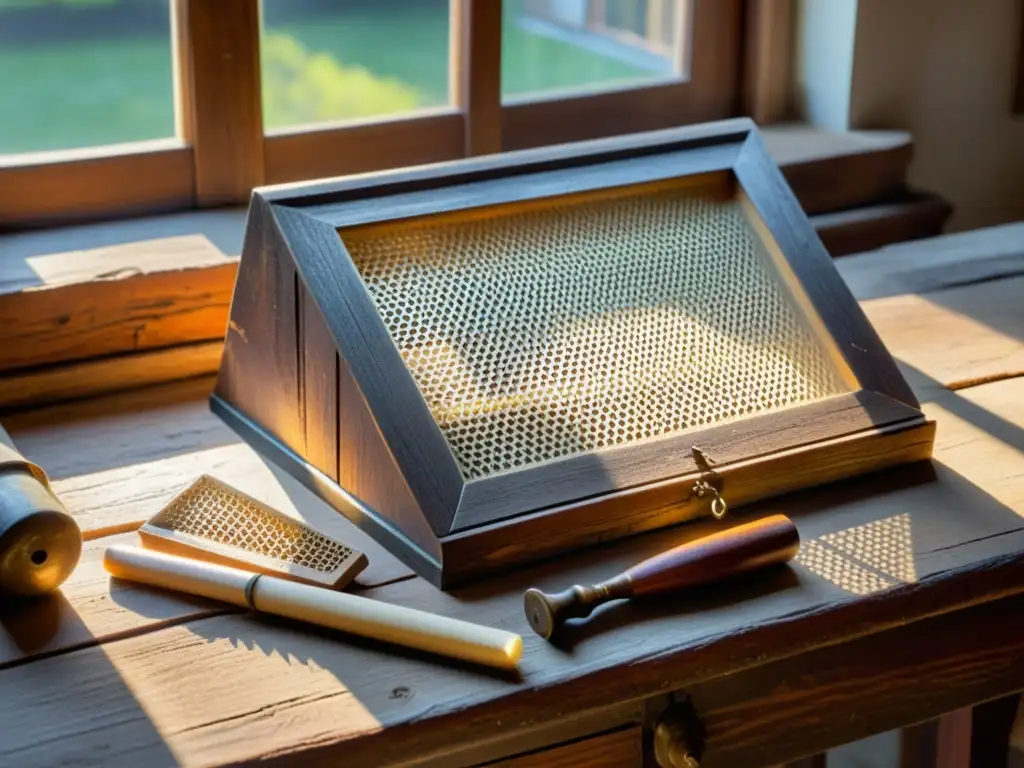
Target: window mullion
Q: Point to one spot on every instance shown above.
(475, 72)
(218, 87)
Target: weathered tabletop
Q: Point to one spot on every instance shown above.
(901, 607)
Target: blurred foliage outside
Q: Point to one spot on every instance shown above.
(300, 87)
(80, 73)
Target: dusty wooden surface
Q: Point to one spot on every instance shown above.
(117, 674)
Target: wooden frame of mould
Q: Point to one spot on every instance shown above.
(318, 383)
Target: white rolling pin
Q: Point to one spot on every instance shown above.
(337, 610)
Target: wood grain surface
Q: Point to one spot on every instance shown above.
(319, 378)
(130, 306)
(890, 566)
(869, 227)
(60, 188)
(950, 261)
(260, 369)
(956, 560)
(770, 26)
(868, 686)
(959, 336)
(116, 373)
(221, 114)
(362, 148)
(620, 749)
(474, 68)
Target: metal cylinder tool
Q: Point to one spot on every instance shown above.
(40, 543)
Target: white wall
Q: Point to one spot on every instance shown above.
(823, 60)
(943, 70)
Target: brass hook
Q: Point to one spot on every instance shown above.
(705, 485)
(718, 505)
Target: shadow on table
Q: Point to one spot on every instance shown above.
(74, 707)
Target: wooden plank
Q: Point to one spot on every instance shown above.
(260, 371)
(768, 59)
(912, 217)
(936, 264)
(88, 610)
(868, 686)
(834, 171)
(108, 374)
(336, 150)
(114, 181)
(320, 388)
(138, 302)
(367, 469)
(218, 80)
(956, 559)
(475, 72)
(1018, 95)
(37, 259)
(622, 748)
(958, 337)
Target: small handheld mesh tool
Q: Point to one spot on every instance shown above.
(215, 523)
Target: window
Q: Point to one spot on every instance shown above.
(352, 59)
(285, 90)
(560, 45)
(84, 74)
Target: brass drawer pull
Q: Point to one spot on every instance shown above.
(678, 738)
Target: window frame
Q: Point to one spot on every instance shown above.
(222, 151)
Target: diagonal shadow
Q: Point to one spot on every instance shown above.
(81, 691)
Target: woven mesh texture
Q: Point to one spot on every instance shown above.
(211, 511)
(535, 334)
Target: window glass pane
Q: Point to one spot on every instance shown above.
(550, 45)
(351, 59)
(82, 73)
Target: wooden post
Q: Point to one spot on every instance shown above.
(1018, 99)
(475, 71)
(218, 92)
(768, 59)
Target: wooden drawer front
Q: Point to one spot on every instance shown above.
(618, 749)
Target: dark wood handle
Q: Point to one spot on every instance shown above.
(720, 555)
(753, 545)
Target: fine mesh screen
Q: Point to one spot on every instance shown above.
(215, 512)
(538, 333)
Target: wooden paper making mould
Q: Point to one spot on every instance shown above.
(490, 361)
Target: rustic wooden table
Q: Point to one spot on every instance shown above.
(903, 604)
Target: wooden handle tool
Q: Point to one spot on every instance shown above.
(337, 610)
(753, 545)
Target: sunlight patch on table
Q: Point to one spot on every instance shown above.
(985, 445)
(866, 558)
